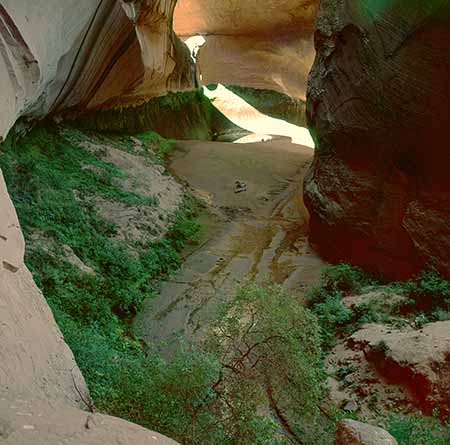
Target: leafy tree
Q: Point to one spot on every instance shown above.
(268, 346)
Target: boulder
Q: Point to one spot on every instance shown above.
(378, 100)
(417, 360)
(351, 432)
(28, 421)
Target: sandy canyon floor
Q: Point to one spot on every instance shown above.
(259, 234)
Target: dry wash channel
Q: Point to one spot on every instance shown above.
(257, 234)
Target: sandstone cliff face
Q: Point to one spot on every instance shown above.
(84, 55)
(265, 46)
(71, 56)
(379, 94)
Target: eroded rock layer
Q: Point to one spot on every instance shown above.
(248, 44)
(86, 55)
(188, 115)
(379, 94)
(415, 360)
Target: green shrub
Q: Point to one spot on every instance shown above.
(213, 395)
(428, 293)
(269, 346)
(325, 302)
(418, 430)
(185, 227)
(345, 278)
(333, 316)
(160, 147)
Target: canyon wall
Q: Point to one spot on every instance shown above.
(378, 105)
(71, 56)
(265, 46)
(77, 55)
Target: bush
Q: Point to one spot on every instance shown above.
(428, 293)
(345, 278)
(269, 347)
(265, 347)
(160, 147)
(325, 302)
(333, 316)
(418, 430)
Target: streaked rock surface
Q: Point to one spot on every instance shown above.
(78, 55)
(378, 100)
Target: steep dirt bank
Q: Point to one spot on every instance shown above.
(258, 234)
(43, 393)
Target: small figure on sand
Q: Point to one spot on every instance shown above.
(239, 186)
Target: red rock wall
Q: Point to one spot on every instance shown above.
(378, 103)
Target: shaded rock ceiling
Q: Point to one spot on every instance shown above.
(265, 46)
(76, 55)
(83, 55)
(252, 17)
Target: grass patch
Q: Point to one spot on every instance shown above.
(53, 186)
(52, 182)
(148, 144)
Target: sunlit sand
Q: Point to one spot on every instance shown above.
(242, 114)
